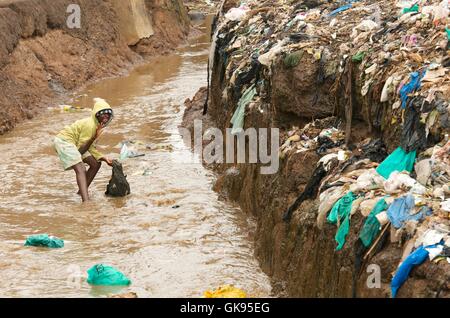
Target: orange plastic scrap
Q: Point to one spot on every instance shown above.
(226, 291)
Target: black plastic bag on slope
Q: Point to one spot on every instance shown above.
(375, 150)
(325, 143)
(413, 134)
(310, 191)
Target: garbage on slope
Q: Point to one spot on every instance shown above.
(399, 51)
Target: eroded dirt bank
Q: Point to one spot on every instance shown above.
(42, 59)
(323, 77)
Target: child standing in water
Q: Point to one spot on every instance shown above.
(75, 145)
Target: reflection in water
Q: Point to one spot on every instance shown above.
(165, 251)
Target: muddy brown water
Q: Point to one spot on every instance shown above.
(165, 251)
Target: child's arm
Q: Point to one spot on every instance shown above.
(88, 144)
(107, 160)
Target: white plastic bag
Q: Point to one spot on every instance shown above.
(441, 12)
(397, 180)
(327, 200)
(423, 171)
(446, 205)
(386, 89)
(382, 217)
(124, 152)
(237, 14)
(267, 58)
(369, 180)
(367, 25)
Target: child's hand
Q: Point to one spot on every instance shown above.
(108, 161)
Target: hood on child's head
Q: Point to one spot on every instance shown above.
(99, 105)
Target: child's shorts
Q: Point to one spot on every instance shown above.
(68, 153)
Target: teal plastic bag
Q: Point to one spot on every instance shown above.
(341, 211)
(342, 232)
(106, 276)
(398, 160)
(341, 208)
(43, 240)
(371, 227)
(414, 8)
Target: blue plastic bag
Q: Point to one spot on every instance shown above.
(413, 85)
(399, 210)
(338, 10)
(416, 258)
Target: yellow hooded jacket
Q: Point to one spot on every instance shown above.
(81, 131)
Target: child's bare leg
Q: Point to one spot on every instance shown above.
(80, 172)
(94, 167)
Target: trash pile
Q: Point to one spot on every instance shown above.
(311, 137)
(398, 52)
(398, 49)
(405, 193)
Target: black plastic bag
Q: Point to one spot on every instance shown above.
(413, 134)
(118, 185)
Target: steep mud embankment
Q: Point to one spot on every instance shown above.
(42, 59)
(299, 255)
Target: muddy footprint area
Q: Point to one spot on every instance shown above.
(172, 236)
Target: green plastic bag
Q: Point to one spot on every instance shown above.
(448, 33)
(238, 117)
(398, 160)
(341, 208)
(358, 57)
(342, 232)
(43, 240)
(371, 227)
(341, 211)
(105, 275)
(414, 8)
(292, 60)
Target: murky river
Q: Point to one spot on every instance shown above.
(165, 251)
